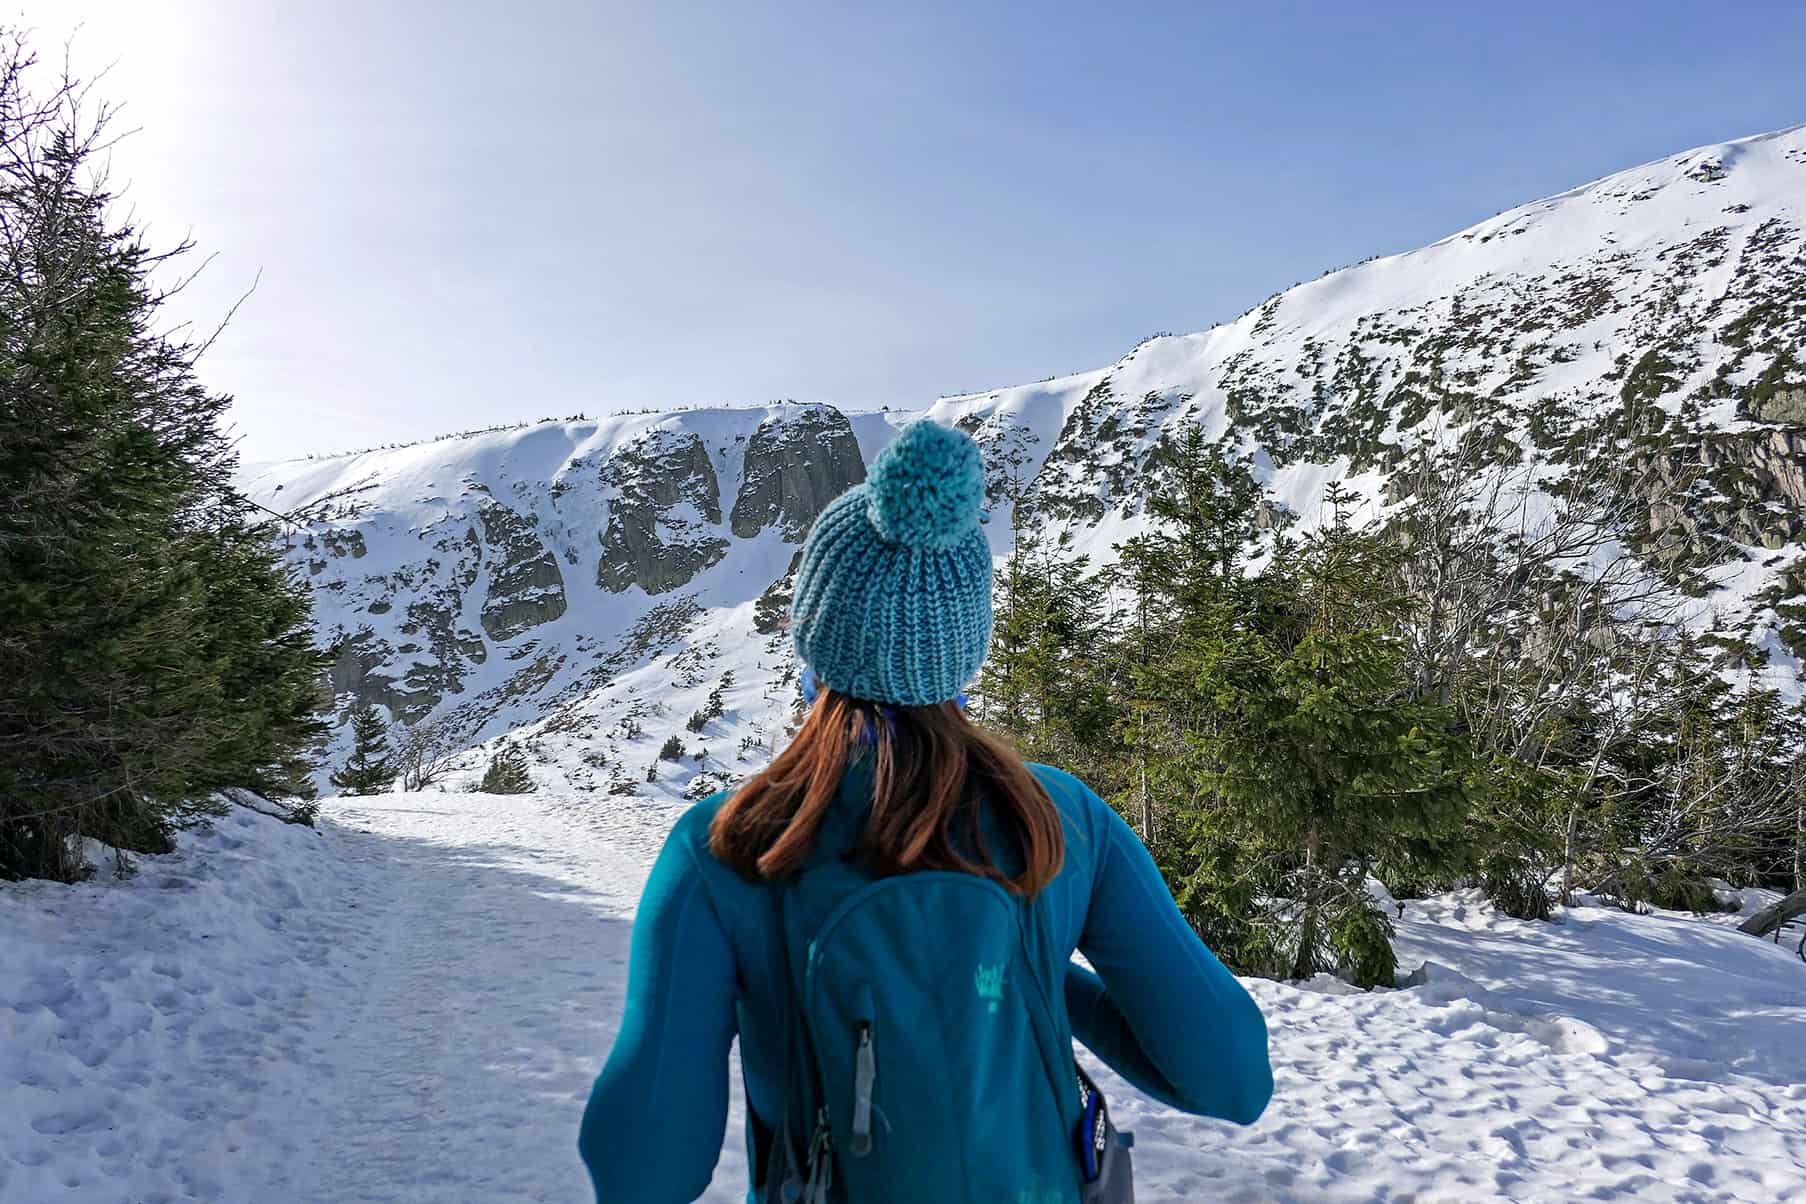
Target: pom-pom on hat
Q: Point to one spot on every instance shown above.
(893, 593)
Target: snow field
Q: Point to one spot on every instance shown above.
(1608, 1057)
(410, 1005)
(157, 1033)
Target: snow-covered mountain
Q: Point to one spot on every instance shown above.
(593, 583)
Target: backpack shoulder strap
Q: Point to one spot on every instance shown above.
(784, 1169)
(783, 1174)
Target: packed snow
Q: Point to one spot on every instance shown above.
(409, 1004)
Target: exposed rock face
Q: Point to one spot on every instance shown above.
(1751, 487)
(794, 466)
(360, 660)
(1783, 405)
(333, 543)
(772, 610)
(525, 585)
(1100, 459)
(353, 672)
(665, 504)
(1782, 456)
(1009, 453)
(428, 652)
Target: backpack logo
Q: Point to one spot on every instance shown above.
(989, 980)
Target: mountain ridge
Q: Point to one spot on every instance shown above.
(576, 579)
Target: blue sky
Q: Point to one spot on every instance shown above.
(472, 212)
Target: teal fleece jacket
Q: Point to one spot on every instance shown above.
(1160, 1010)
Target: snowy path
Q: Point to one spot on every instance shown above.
(491, 982)
(410, 1006)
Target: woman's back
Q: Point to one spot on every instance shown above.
(898, 880)
(709, 962)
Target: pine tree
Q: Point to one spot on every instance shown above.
(155, 649)
(1711, 790)
(714, 707)
(1184, 582)
(1043, 682)
(369, 769)
(1791, 774)
(1269, 722)
(1324, 763)
(507, 772)
(1283, 717)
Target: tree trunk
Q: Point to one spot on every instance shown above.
(1799, 848)
(1567, 857)
(1304, 963)
(1586, 790)
(1147, 811)
(1775, 914)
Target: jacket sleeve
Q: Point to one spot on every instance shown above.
(1161, 1010)
(653, 1129)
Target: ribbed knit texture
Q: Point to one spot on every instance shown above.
(893, 594)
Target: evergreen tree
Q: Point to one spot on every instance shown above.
(369, 769)
(507, 772)
(1044, 682)
(1321, 763)
(1183, 583)
(1790, 775)
(1270, 728)
(1427, 702)
(1432, 701)
(152, 647)
(1711, 791)
(714, 706)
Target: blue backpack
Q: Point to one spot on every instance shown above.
(930, 1058)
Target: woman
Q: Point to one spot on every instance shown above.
(886, 916)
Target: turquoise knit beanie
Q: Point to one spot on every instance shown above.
(893, 594)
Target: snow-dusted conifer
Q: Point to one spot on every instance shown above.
(507, 772)
(369, 769)
(155, 649)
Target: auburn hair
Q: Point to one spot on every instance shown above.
(931, 768)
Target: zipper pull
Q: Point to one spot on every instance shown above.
(821, 1162)
(865, 1076)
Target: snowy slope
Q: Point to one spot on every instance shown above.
(159, 1037)
(1544, 304)
(411, 1004)
(589, 583)
(594, 578)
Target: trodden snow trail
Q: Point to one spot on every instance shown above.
(490, 976)
(410, 1006)
(487, 989)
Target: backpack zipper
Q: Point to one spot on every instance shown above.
(865, 1077)
(821, 1162)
